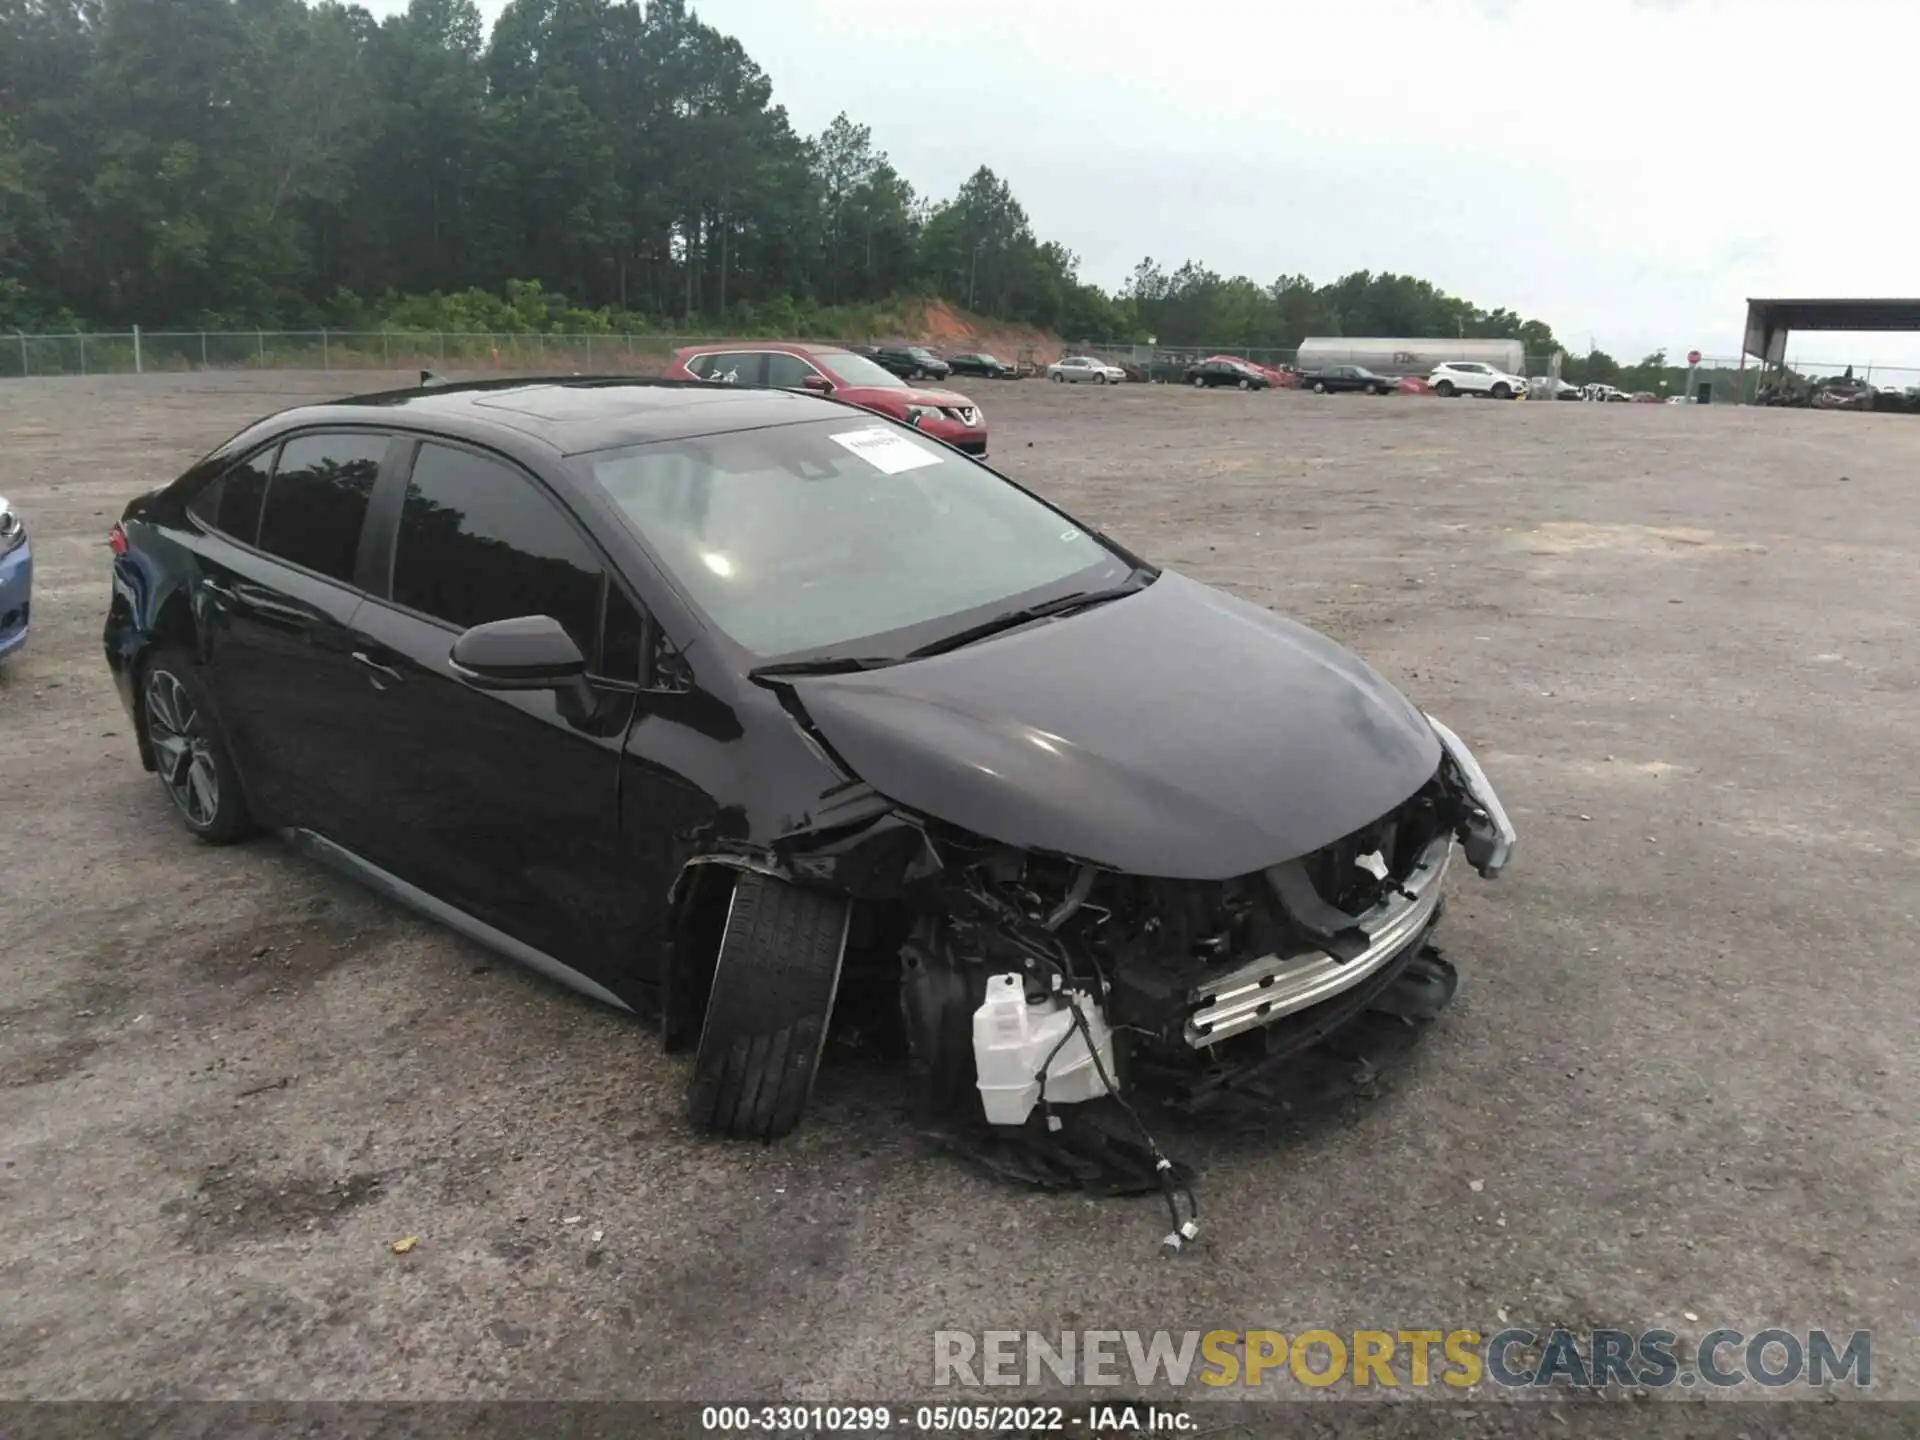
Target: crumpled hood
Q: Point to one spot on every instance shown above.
(1178, 732)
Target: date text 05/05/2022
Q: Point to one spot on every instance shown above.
(963, 1419)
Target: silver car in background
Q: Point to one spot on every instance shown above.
(1076, 368)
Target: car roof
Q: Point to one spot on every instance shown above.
(572, 414)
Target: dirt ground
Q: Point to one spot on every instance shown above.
(1679, 1088)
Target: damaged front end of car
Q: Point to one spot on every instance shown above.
(1036, 996)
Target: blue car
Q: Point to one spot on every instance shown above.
(16, 580)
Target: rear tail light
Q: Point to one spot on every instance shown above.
(117, 538)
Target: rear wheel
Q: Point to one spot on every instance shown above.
(774, 983)
(1444, 389)
(189, 752)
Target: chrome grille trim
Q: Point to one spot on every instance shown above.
(1264, 990)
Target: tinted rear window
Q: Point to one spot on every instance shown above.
(318, 500)
(231, 504)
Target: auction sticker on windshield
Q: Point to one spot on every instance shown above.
(885, 451)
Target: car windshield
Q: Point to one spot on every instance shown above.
(850, 369)
(801, 540)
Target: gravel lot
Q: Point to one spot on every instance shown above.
(1680, 1080)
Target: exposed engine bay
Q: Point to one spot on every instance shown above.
(1036, 996)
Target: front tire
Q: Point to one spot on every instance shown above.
(1199, 382)
(1318, 388)
(774, 983)
(1246, 384)
(189, 752)
(1100, 379)
(1058, 378)
(1502, 392)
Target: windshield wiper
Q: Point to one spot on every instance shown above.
(1026, 614)
(821, 665)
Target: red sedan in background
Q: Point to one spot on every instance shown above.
(830, 370)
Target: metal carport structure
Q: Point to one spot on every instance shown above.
(1769, 322)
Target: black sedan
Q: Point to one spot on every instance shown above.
(1206, 374)
(988, 367)
(911, 362)
(1336, 378)
(753, 711)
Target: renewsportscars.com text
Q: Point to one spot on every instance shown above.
(1398, 1359)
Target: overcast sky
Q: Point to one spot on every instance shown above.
(1626, 170)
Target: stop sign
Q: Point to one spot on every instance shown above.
(1693, 357)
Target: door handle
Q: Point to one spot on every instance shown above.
(374, 665)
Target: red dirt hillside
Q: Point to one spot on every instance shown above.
(943, 328)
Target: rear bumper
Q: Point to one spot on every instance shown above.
(16, 596)
(121, 637)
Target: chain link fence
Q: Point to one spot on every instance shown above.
(181, 351)
(1726, 381)
(1168, 362)
(130, 352)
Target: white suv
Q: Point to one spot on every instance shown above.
(1470, 377)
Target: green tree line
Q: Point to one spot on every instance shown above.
(588, 165)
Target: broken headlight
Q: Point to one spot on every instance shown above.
(1486, 833)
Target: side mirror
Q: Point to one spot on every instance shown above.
(529, 652)
(816, 382)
